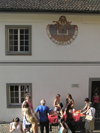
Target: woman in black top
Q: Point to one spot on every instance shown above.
(69, 101)
(69, 110)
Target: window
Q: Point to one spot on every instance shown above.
(18, 40)
(16, 94)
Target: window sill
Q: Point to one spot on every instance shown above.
(14, 106)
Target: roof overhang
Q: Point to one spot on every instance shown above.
(50, 11)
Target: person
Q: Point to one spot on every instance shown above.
(61, 117)
(56, 102)
(96, 103)
(96, 90)
(26, 124)
(25, 106)
(69, 111)
(62, 114)
(70, 119)
(16, 126)
(86, 107)
(27, 93)
(43, 116)
(69, 101)
(30, 118)
(89, 125)
(60, 107)
(63, 128)
(29, 101)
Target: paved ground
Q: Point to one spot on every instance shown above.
(4, 128)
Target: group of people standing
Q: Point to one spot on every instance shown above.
(88, 109)
(29, 122)
(30, 117)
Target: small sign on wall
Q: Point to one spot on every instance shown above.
(75, 85)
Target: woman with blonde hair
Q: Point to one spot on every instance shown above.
(57, 102)
(30, 118)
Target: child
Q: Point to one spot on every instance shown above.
(63, 128)
(61, 116)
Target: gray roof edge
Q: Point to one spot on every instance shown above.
(48, 11)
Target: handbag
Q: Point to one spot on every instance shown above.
(89, 117)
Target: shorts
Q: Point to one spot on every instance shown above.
(89, 125)
(28, 126)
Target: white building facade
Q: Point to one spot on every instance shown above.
(43, 67)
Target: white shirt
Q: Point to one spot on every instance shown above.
(92, 112)
(25, 121)
(17, 129)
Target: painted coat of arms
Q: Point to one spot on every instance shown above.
(62, 32)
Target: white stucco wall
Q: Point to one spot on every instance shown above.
(84, 48)
(49, 79)
(46, 81)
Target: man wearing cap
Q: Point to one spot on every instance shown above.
(43, 116)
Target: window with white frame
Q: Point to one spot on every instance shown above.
(16, 94)
(18, 40)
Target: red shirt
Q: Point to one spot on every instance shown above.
(96, 99)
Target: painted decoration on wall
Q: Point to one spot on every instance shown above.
(62, 32)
